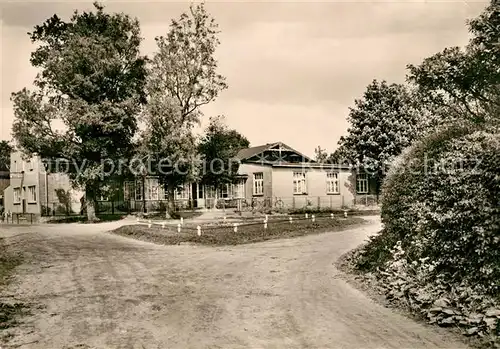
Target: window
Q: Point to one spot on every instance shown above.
(299, 183)
(127, 189)
(239, 189)
(29, 165)
(32, 193)
(332, 183)
(17, 195)
(138, 190)
(258, 183)
(210, 192)
(152, 189)
(362, 183)
(181, 193)
(224, 191)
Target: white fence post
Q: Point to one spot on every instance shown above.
(163, 225)
(331, 215)
(178, 228)
(182, 221)
(199, 230)
(291, 219)
(307, 216)
(235, 227)
(345, 214)
(149, 223)
(313, 218)
(265, 224)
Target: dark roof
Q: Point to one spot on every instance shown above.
(316, 165)
(250, 152)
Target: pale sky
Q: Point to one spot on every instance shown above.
(293, 68)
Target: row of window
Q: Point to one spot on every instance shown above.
(300, 183)
(154, 192)
(31, 194)
(27, 165)
(228, 191)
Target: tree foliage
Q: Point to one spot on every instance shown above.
(382, 124)
(320, 154)
(91, 79)
(218, 149)
(466, 80)
(182, 78)
(439, 250)
(5, 151)
(442, 202)
(168, 145)
(185, 64)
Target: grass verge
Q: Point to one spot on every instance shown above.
(249, 232)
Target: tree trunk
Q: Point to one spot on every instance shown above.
(170, 203)
(90, 203)
(216, 198)
(378, 187)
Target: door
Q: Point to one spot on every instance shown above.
(24, 206)
(194, 195)
(198, 195)
(201, 196)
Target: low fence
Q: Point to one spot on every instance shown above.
(224, 223)
(298, 203)
(256, 204)
(18, 218)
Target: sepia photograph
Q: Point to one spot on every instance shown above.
(250, 174)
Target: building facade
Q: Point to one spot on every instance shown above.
(270, 176)
(4, 183)
(281, 177)
(32, 190)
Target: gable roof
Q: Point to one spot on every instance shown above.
(253, 151)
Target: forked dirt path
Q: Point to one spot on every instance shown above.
(103, 291)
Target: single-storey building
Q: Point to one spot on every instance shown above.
(281, 177)
(273, 175)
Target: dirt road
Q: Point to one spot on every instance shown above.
(103, 291)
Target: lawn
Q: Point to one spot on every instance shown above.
(220, 233)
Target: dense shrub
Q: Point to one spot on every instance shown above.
(439, 252)
(442, 202)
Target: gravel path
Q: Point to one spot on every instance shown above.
(103, 291)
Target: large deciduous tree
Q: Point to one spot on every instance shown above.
(466, 81)
(382, 124)
(218, 149)
(5, 151)
(91, 83)
(182, 78)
